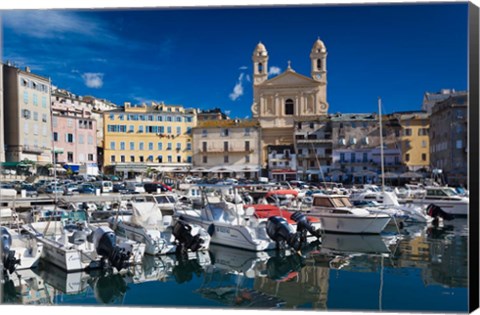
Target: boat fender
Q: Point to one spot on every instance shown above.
(211, 229)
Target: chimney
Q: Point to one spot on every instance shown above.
(27, 69)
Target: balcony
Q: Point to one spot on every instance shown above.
(32, 149)
(231, 149)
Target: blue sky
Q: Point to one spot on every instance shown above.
(202, 57)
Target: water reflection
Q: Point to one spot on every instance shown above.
(387, 272)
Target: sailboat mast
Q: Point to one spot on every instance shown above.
(381, 143)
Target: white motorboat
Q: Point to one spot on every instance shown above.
(337, 214)
(19, 251)
(160, 233)
(446, 198)
(387, 202)
(232, 224)
(72, 244)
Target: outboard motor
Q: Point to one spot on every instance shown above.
(183, 234)
(304, 225)
(105, 240)
(436, 212)
(8, 256)
(280, 231)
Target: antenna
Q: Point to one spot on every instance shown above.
(381, 142)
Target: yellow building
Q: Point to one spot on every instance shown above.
(414, 139)
(156, 136)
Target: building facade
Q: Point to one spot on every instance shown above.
(227, 148)
(356, 149)
(27, 116)
(211, 114)
(313, 145)
(430, 99)
(282, 162)
(449, 138)
(279, 101)
(74, 132)
(414, 139)
(155, 136)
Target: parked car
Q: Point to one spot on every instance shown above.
(87, 188)
(153, 186)
(70, 189)
(53, 189)
(135, 187)
(30, 190)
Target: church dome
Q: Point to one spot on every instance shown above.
(260, 49)
(319, 46)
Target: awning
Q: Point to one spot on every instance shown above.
(221, 169)
(284, 171)
(365, 173)
(390, 175)
(73, 167)
(336, 173)
(13, 164)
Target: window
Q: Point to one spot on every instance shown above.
(407, 157)
(225, 159)
(247, 146)
(189, 146)
(150, 118)
(225, 146)
(54, 121)
(80, 139)
(247, 158)
(90, 139)
(204, 146)
(69, 122)
(178, 119)
(132, 158)
(319, 64)
(70, 138)
(169, 118)
(424, 144)
(169, 130)
(225, 132)
(140, 146)
(130, 128)
(354, 125)
(179, 158)
(122, 158)
(70, 157)
(204, 132)
(44, 117)
(121, 117)
(169, 159)
(365, 157)
(408, 132)
(25, 97)
(44, 130)
(122, 145)
(55, 136)
(204, 159)
(289, 107)
(150, 146)
(112, 158)
(35, 116)
(140, 129)
(189, 130)
(112, 145)
(169, 146)
(342, 157)
(299, 125)
(260, 67)
(160, 159)
(459, 144)
(90, 157)
(247, 131)
(35, 100)
(189, 159)
(159, 118)
(179, 130)
(352, 157)
(159, 146)
(423, 131)
(141, 158)
(424, 156)
(188, 119)
(111, 116)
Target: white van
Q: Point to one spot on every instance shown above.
(105, 186)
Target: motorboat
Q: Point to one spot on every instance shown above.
(337, 214)
(387, 202)
(73, 244)
(157, 229)
(230, 223)
(446, 198)
(19, 251)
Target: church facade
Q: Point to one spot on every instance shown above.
(289, 97)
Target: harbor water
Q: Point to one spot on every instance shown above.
(422, 269)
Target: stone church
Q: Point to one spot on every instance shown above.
(280, 101)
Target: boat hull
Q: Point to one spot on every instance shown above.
(372, 224)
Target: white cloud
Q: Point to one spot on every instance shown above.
(248, 78)
(274, 70)
(243, 68)
(238, 88)
(93, 80)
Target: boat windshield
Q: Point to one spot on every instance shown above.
(322, 202)
(164, 199)
(341, 202)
